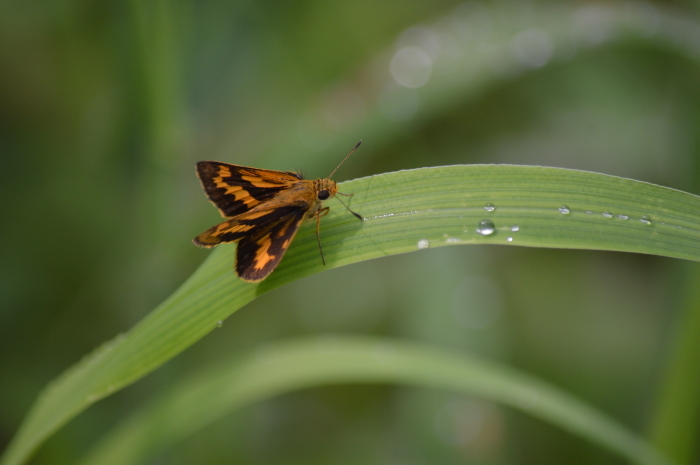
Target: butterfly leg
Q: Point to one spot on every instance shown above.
(318, 215)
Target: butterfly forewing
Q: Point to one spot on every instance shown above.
(236, 189)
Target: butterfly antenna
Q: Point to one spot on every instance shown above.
(346, 157)
(356, 214)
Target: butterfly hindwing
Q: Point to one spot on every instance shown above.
(252, 222)
(259, 252)
(236, 189)
(228, 231)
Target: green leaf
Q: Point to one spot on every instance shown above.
(403, 211)
(310, 362)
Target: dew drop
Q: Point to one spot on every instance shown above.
(486, 227)
(607, 214)
(623, 217)
(489, 207)
(515, 228)
(564, 210)
(589, 212)
(645, 219)
(219, 324)
(509, 239)
(423, 244)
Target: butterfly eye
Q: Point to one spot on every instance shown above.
(323, 195)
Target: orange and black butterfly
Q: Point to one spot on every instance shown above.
(264, 209)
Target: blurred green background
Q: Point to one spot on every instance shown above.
(106, 106)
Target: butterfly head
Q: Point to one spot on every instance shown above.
(325, 188)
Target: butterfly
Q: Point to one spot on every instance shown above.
(264, 209)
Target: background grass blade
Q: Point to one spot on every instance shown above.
(311, 362)
(675, 423)
(403, 211)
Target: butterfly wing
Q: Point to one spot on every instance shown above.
(259, 253)
(263, 237)
(236, 189)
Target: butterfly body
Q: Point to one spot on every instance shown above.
(264, 210)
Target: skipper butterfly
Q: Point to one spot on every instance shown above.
(264, 210)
